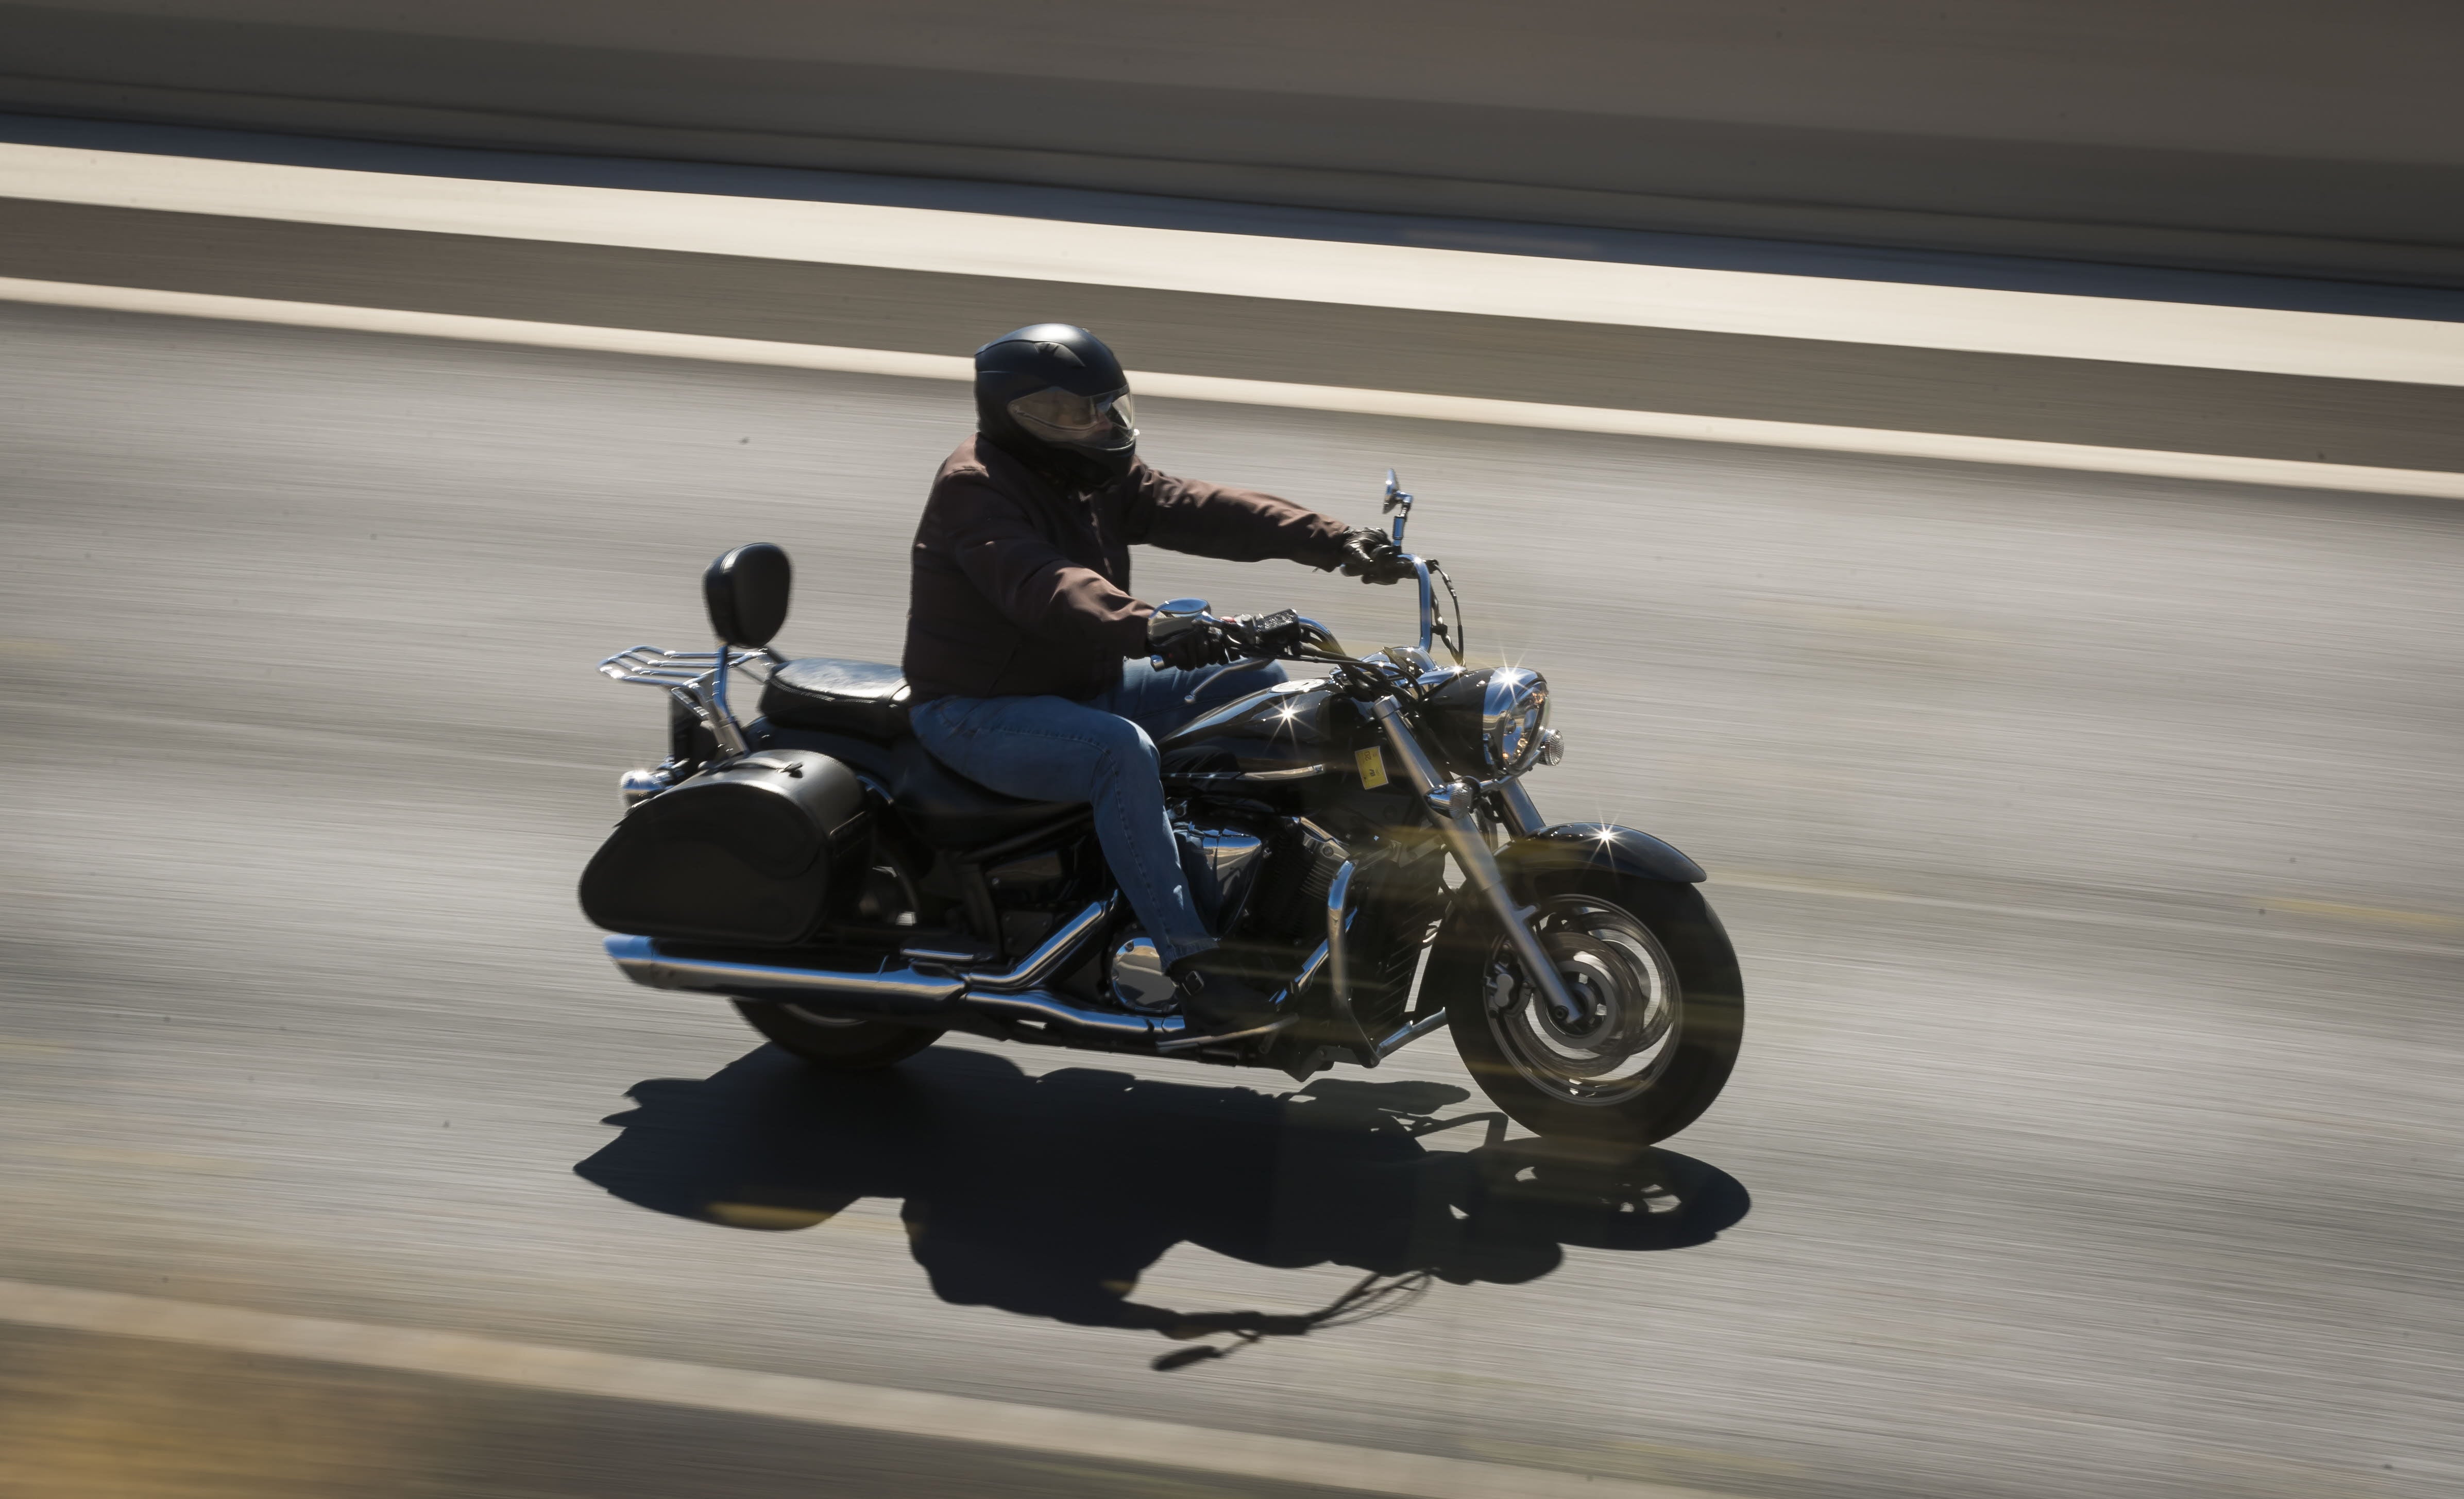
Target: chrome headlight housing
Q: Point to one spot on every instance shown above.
(1490, 723)
(1513, 709)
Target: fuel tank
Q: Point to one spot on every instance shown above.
(1290, 732)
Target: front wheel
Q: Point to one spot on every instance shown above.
(1657, 979)
(839, 1046)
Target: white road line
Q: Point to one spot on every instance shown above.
(2220, 930)
(910, 1413)
(2189, 335)
(1469, 410)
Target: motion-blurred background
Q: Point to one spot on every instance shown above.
(2047, 635)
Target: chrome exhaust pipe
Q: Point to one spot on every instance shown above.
(891, 992)
(1052, 956)
(908, 992)
(1052, 1009)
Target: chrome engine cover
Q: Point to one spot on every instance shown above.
(1232, 857)
(1134, 973)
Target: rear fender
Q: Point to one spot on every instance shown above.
(1593, 846)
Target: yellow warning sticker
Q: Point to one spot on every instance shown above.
(1373, 767)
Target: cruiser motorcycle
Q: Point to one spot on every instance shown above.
(1365, 835)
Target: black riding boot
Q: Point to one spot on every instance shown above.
(1221, 995)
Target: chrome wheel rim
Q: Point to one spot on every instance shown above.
(1621, 976)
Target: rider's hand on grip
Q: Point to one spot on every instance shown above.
(1204, 643)
(1372, 556)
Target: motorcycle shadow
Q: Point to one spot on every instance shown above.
(1052, 1196)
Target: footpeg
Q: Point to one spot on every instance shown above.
(947, 957)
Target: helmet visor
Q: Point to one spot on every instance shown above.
(1104, 423)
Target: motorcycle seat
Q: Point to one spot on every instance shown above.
(866, 700)
(862, 698)
(949, 811)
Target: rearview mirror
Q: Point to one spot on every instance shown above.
(747, 593)
(1394, 502)
(1172, 618)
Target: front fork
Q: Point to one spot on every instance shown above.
(1453, 814)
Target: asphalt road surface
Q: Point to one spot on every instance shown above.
(2092, 844)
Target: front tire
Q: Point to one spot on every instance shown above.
(838, 1046)
(1666, 1009)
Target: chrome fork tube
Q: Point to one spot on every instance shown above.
(1471, 851)
(1521, 813)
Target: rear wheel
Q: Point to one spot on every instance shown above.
(1664, 1009)
(840, 1046)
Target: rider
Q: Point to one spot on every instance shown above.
(1027, 653)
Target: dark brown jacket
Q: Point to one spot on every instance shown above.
(1019, 588)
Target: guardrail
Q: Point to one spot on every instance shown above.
(2323, 139)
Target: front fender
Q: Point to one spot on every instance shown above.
(1595, 846)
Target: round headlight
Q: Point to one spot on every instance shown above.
(1513, 713)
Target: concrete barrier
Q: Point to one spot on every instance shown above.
(2290, 136)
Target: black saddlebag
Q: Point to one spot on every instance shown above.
(751, 853)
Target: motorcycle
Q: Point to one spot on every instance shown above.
(1365, 836)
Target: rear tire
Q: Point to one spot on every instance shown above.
(1669, 1009)
(837, 1045)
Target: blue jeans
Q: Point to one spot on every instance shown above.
(1101, 750)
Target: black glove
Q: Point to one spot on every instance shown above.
(1202, 644)
(1373, 556)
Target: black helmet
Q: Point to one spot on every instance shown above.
(1054, 386)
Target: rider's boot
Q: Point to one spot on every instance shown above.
(1220, 994)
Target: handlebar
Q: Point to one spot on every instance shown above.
(1265, 634)
(1289, 636)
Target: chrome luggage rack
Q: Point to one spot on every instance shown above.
(652, 667)
(697, 679)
